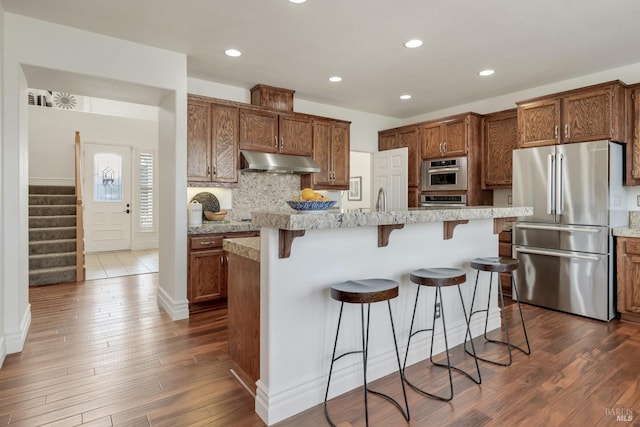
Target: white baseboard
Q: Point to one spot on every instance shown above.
(273, 407)
(68, 182)
(15, 340)
(175, 310)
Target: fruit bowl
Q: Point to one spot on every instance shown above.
(215, 216)
(311, 205)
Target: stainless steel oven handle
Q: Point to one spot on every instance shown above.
(557, 228)
(444, 170)
(556, 254)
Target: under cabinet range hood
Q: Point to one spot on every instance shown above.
(254, 161)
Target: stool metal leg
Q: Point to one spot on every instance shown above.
(524, 329)
(438, 298)
(504, 321)
(365, 355)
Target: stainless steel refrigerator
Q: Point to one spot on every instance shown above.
(566, 248)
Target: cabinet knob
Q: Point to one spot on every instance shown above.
(555, 131)
(215, 171)
(276, 138)
(208, 170)
(281, 143)
(566, 131)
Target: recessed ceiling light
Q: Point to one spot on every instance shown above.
(297, 1)
(413, 43)
(405, 96)
(485, 73)
(335, 79)
(232, 52)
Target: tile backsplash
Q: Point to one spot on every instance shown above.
(262, 191)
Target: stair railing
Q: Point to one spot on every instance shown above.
(79, 213)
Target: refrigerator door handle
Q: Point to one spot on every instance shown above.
(557, 228)
(556, 254)
(550, 184)
(560, 185)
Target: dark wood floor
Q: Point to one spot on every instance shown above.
(101, 353)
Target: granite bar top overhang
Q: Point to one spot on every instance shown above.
(247, 247)
(291, 220)
(209, 227)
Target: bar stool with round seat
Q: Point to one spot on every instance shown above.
(439, 278)
(498, 265)
(365, 292)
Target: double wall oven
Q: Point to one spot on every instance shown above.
(444, 176)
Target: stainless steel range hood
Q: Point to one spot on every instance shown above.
(254, 161)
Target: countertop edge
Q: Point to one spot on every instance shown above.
(329, 219)
(626, 232)
(247, 247)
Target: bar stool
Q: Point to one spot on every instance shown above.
(363, 292)
(497, 265)
(439, 278)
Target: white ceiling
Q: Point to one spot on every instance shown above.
(298, 46)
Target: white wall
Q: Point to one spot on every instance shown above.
(150, 73)
(52, 135)
(360, 165)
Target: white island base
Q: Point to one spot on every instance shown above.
(299, 318)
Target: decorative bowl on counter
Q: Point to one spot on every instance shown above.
(311, 205)
(215, 216)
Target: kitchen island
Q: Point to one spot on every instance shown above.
(303, 254)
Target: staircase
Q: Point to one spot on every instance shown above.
(52, 234)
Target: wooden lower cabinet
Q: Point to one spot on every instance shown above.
(244, 318)
(207, 270)
(628, 278)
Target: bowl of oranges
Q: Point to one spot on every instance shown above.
(310, 201)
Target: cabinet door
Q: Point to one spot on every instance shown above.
(340, 147)
(629, 277)
(635, 166)
(455, 138)
(198, 141)
(387, 140)
(296, 135)
(500, 139)
(322, 153)
(258, 131)
(408, 137)
(207, 275)
(432, 140)
(587, 116)
(539, 123)
(224, 143)
(413, 197)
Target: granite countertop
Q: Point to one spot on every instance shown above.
(225, 226)
(291, 220)
(248, 247)
(633, 230)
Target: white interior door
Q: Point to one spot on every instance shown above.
(107, 197)
(391, 172)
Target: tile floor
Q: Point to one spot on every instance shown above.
(101, 265)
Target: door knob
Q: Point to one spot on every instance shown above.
(126, 211)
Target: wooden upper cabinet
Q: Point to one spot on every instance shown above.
(445, 138)
(212, 142)
(387, 140)
(633, 149)
(270, 132)
(258, 130)
(500, 138)
(331, 151)
(409, 137)
(296, 135)
(340, 150)
(198, 141)
(224, 143)
(586, 114)
(539, 123)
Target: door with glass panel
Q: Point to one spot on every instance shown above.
(107, 197)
